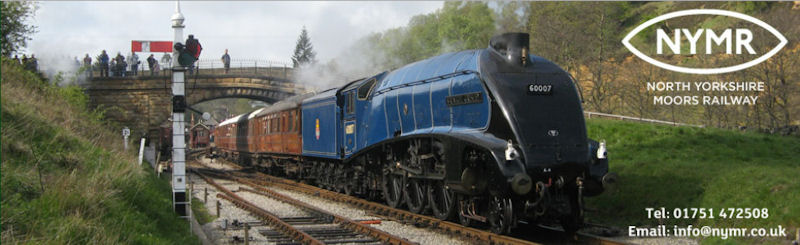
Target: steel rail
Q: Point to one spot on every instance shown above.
(346, 223)
(270, 218)
(472, 233)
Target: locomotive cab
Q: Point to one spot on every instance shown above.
(354, 102)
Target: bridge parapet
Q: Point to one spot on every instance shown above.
(255, 67)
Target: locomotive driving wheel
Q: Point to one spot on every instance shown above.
(501, 215)
(415, 195)
(442, 200)
(392, 189)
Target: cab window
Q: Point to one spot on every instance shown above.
(365, 89)
(351, 107)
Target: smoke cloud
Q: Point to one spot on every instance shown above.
(61, 68)
(362, 59)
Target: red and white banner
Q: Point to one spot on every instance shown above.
(151, 46)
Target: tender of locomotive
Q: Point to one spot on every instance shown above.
(491, 135)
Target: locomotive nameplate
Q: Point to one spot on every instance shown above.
(463, 99)
(540, 89)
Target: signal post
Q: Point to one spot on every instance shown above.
(180, 199)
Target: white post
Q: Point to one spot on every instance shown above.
(125, 133)
(179, 198)
(141, 152)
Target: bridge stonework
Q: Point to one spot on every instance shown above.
(143, 103)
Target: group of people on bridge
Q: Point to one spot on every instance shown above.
(31, 64)
(120, 66)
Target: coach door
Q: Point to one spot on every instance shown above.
(349, 117)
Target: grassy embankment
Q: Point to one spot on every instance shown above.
(684, 167)
(66, 178)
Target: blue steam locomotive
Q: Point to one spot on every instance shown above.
(492, 135)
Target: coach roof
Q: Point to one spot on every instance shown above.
(231, 120)
(289, 103)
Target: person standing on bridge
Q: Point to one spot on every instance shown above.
(120, 65)
(151, 62)
(24, 61)
(194, 48)
(113, 67)
(104, 64)
(133, 60)
(226, 61)
(87, 65)
(156, 67)
(33, 64)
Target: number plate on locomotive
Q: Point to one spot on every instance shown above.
(463, 99)
(540, 89)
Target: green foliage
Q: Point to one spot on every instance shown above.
(569, 32)
(74, 95)
(15, 32)
(685, 167)
(303, 50)
(465, 25)
(66, 179)
(750, 7)
(200, 212)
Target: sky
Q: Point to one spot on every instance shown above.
(249, 29)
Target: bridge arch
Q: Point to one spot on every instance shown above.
(144, 102)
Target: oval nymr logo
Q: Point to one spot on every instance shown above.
(706, 41)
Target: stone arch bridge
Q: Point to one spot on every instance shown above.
(142, 103)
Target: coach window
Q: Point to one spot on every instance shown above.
(285, 125)
(366, 89)
(280, 123)
(291, 122)
(275, 124)
(271, 125)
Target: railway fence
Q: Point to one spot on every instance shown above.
(590, 114)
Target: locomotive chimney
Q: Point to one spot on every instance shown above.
(512, 46)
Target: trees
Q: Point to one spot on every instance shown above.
(510, 17)
(464, 25)
(304, 50)
(16, 32)
(584, 39)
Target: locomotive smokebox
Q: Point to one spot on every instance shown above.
(512, 46)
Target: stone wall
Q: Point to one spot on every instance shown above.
(145, 102)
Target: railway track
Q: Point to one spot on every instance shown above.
(258, 181)
(320, 227)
